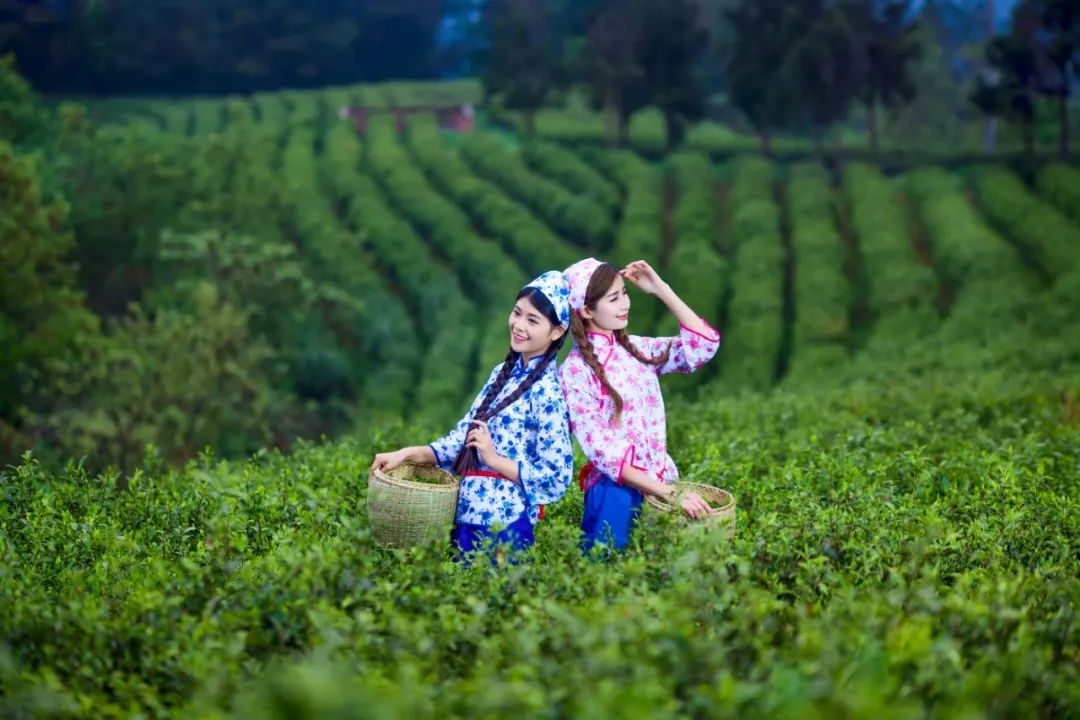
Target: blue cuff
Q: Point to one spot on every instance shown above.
(438, 460)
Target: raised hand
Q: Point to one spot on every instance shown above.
(642, 275)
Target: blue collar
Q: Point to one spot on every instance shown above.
(523, 369)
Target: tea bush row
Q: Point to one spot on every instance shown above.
(1060, 185)
(483, 268)
(901, 290)
(1045, 235)
(305, 109)
(821, 290)
(397, 353)
(535, 247)
(986, 272)
(567, 169)
(757, 278)
(445, 319)
(965, 248)
(372, 330)
(696, 267)
(578, 218)
(639, 235)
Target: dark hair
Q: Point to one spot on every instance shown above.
(468, 459)
(599, 283)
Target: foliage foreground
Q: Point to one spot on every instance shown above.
(904, 550)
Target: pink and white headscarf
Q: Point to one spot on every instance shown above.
(578, 276)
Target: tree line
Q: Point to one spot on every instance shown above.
(171, 47)
(785, 66)
(797, 66)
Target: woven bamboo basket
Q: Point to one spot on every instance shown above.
(722, 503)
(411, 505)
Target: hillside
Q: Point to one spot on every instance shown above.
(810, 271)
(896, 407)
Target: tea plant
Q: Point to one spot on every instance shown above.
(907, 553)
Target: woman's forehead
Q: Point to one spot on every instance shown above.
(616, 285)
(525, 305)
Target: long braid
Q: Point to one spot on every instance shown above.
(585, 346)
(623, 338)
(468, 458)
(549, 357)
(500, 382)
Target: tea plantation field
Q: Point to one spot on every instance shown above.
(896, 408)
(902, 552)
(807, 271)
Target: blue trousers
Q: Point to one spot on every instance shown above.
(611, 511)
(468, 538)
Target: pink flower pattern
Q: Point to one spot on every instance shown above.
(640, 438)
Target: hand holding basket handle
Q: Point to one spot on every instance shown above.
(720, 503)
(692, 504)
(388, 460)
(417, 455)
(409, 502)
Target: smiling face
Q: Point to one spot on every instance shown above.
(531, 332)
(611, 311)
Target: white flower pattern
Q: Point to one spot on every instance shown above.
(640, 438)
(534, 432)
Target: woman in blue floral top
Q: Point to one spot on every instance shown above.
(512, 450)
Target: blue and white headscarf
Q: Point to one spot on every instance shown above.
(553, 285)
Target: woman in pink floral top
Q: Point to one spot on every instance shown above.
(612, 388)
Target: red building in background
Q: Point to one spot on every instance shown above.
(456, 118)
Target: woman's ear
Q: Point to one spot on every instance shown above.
(556, 332)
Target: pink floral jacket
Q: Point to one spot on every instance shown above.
(640, 438)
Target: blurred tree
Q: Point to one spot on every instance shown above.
(609, 64)
(36, 32)
(764, 32)
(823, 64)
(461, 39)
(1059, 41)
(889, 46)
(525, 63)
(720, 38)
(22, 118)
(672, 38)
(217, 46)
(1007, 89)
(935, 113)
(396, 40)
(42, 315)
(179, 380)
(124, 185)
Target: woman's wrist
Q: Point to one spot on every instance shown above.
(664, 292)
(504, 466)
(420, 455)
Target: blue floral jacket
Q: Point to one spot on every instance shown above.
(534, 431)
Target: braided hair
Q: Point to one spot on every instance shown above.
(598, 286)
(468, 459)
